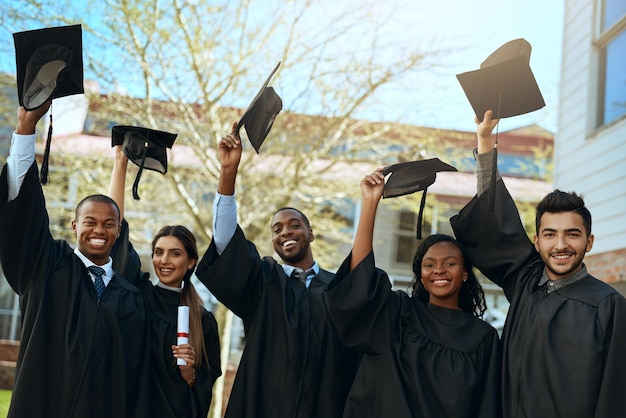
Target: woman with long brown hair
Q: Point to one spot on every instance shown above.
(177, 390)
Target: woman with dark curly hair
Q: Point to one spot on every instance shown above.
(471, 297)
(425, 355)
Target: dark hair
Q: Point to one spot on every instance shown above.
(189, 295)
(304, 218)
(471, 295)
(558, 201)
(99, 198)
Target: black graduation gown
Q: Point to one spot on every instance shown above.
(419, 360)
(293, 363)
(170, 395)
(564, 353)
(78, 357)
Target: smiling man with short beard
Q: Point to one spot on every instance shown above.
(293, 364)
(565, 335)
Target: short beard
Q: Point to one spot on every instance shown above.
(294, 258)
(561, 275)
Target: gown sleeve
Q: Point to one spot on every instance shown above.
(495, 240)
(27, 249)
(233, 277)
(126, 261)
(490, 372)
(360, 306)
(208, 373)
(612, 317)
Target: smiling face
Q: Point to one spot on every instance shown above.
(291, 237)
(96, 228)
(562, 242)
(171, 261)
(443, 273)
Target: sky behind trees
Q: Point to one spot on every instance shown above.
(463, 32)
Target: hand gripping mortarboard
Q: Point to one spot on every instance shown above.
(410, 177)
(259, 117)
(49, 65)
(505, 85)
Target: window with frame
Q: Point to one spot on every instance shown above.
(406, 243)
(611, 42)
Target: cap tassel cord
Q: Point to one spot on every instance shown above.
(494, 166)
(420, 215)
(43, 175)
(143, 159)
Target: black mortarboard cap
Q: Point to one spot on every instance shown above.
(411, 177)
(49, 64)
(144, 147)
(259, 116)
(504, 83)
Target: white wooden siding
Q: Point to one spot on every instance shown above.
(589, 161)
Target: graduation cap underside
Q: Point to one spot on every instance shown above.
(144, 147)
(259, 117)
(504, 83)
(49, 64)
(410, 177)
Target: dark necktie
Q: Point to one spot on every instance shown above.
(99, 283)
(300, 275)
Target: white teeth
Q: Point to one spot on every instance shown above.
(442, 281)
(290, 242)
(97, 241)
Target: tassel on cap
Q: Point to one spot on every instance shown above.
(141, 165)
(420, 214)
(43, 174)
(494, 164)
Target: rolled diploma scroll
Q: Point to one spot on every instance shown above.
(183, 331)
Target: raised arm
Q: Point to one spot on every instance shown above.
(22, 154)
(229, 155)
(118, 178)
(125, 259)
(492, 231)
(372, 187)
(27, 119)
(486, 160)
(483, 132)
(224, 208)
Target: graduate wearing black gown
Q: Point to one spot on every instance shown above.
(79, 356)
(425, 355)
(564, 340)
(293, 363)
(176, 391)
(171, 395)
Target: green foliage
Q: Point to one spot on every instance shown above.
(5, 400)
